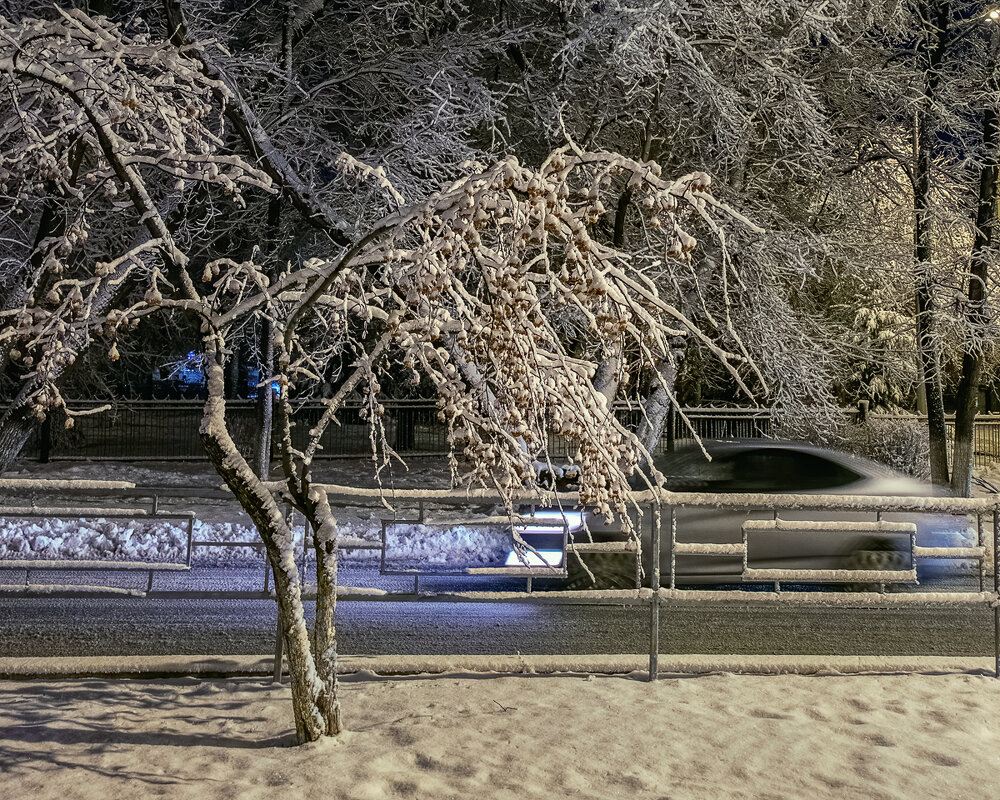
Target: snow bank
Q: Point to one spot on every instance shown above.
(166, 540)
(456, 546)
(93, 539)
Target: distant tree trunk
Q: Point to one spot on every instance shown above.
(982, 248)
(233, 374)
(939, 11)
(607, 374)
(656, 407)
(265, 396)
(16, 425)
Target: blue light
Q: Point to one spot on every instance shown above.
(574, 519)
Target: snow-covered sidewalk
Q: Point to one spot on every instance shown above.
(459, 736)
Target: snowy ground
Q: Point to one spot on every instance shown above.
(711, 737)
(425, 471)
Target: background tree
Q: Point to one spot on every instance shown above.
(804, 116)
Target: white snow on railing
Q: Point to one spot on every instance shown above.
(56, 511)
(742, 500)
(830, 575)
(628, 546)
(709, 548)
(828, 526)
(15, 484)
(949, 552)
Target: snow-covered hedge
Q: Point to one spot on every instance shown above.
(897, 443)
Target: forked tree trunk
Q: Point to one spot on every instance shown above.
(314, 689)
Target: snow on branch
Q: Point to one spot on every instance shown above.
(81, 79)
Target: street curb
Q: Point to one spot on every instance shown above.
(150, 667)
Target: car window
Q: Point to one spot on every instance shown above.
(778, 470)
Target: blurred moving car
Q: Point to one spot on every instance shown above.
(781, 468)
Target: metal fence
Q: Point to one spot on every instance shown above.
(985, 439)
(985, 435)
(156, 430)
(148, 430)
(662, 534)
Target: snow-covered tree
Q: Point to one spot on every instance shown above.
(472, 286)
(399, 84)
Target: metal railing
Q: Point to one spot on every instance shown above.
(662, 519)
(661, 522)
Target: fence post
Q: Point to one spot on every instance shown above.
(45, 439)
(654, 600)
(671, 424)
(996, 590)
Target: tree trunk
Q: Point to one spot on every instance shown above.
(927, 344)
(972, 361)
(608, 371)
(16, 425)
(313, 692)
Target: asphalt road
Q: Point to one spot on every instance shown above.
(41, 626)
